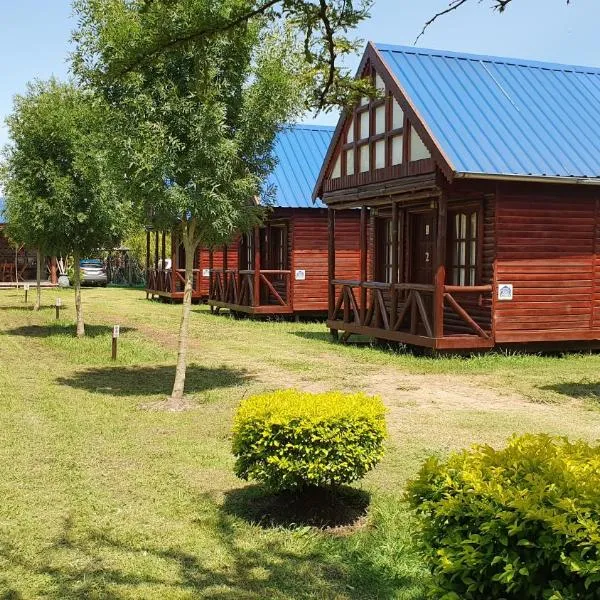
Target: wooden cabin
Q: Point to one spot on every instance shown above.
(478, 184)
(20, 264)
(281, 267)
(165, 269)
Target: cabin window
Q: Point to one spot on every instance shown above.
(350, 161)
(379, 120)
(385, 249)
(247, 252)
(350, 132)
(364, 125)
(364, 158)
(337, 168)
(279, 252)
(397, 149)
(418, 150)
(380, 154)
(397, 115)
(464, 245)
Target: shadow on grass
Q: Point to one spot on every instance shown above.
(325, 336)
(26, 307)
(342, 508)
(150, 381)
(587, 390)
(82, 563)
(64, 329)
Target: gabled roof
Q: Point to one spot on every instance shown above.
(299, 151)
(503, 116)
(490, 117)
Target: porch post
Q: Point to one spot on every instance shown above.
(163, 249)
(211, 261)
(440, 266)
(395, 250)
(156, 249)
(256, 266)
(331, 262)
(224, 277)
(363, 263)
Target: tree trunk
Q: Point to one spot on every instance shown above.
(38, 282)
(190, 244)
(78, 307)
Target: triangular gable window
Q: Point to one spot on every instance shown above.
(418, 150)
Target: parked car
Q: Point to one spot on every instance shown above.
(93, 272)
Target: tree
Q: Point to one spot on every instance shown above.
(193, 128)
(174, 26)
(323, 24)
(59, 197)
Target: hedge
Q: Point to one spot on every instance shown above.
(518, 523)
(290, 439)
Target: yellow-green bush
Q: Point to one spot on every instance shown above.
(291, 440)
(518, 523)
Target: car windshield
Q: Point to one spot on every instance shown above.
(91, 262)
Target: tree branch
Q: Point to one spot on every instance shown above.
(332, 55)
(198, 34)
(499, 5)
(454, 5)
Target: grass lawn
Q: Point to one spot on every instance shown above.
(100, 498)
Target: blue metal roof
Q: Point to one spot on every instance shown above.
(2, 218)
(299, 151)
(503, 116)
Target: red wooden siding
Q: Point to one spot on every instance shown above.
(546, 248)
(309, 252)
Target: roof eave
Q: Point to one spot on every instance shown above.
(530, 178)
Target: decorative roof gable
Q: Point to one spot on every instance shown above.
(490, 117)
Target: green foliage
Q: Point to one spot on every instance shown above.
(193, 128)
(58, 193)
(291, 439)
(519, 523)
(145, 33)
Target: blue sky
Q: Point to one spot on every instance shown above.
(34, 35)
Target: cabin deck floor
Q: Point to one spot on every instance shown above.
(263, 309)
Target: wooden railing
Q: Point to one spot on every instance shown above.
(248, 288)
(482, 292)
(401, 307)
(161, 280)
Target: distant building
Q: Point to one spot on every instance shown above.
(20, 262)
(280, 267)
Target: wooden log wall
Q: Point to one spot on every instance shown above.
(547, 248)
(309, 252)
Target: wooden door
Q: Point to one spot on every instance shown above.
(422, 248)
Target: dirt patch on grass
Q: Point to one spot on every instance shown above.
(450, 391)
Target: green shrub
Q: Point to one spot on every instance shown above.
(519, 523)
(290, 440)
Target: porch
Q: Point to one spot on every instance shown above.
(164, 274)
(253, 276)
(421, 277)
